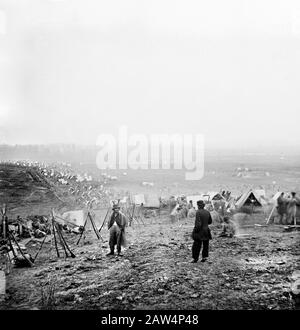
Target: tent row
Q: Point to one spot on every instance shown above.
(249, 198)
(147, 200)
(254, 198)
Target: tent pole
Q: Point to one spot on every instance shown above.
(271, 214)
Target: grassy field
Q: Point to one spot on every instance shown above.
(220, 173)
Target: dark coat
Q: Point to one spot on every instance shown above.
(282, 205)
(201, 231)
(120, 220)
(117, 233)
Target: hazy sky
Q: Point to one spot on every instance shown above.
(70, 70)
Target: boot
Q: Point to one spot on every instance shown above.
(111, 253)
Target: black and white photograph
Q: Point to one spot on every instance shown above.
(149, 158)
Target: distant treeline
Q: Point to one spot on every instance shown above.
(49, 153)
(73, 153)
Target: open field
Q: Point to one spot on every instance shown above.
(273, 173)
(252, 271)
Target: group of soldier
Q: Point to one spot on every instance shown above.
(201, 232)
(287, 208)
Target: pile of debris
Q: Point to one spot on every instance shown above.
(40, 226)
(34, 226)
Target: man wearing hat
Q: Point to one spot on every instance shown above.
(116, 226)
(201, 232)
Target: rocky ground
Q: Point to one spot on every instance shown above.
(254, 271)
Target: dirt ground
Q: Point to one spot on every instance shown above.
(253, 272)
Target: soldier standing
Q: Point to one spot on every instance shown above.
(201, 233)
(116, 226)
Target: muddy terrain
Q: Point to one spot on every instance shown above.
(252, 271)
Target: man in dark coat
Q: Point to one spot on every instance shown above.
(116, 227)
(281, 208)
(201, 233)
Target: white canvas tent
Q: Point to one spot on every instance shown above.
(152, 200)
(75, 217)
(248, 198)
(262, 196)
(124, 200)
(215, 196)
(78, 217)
(139, 199)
